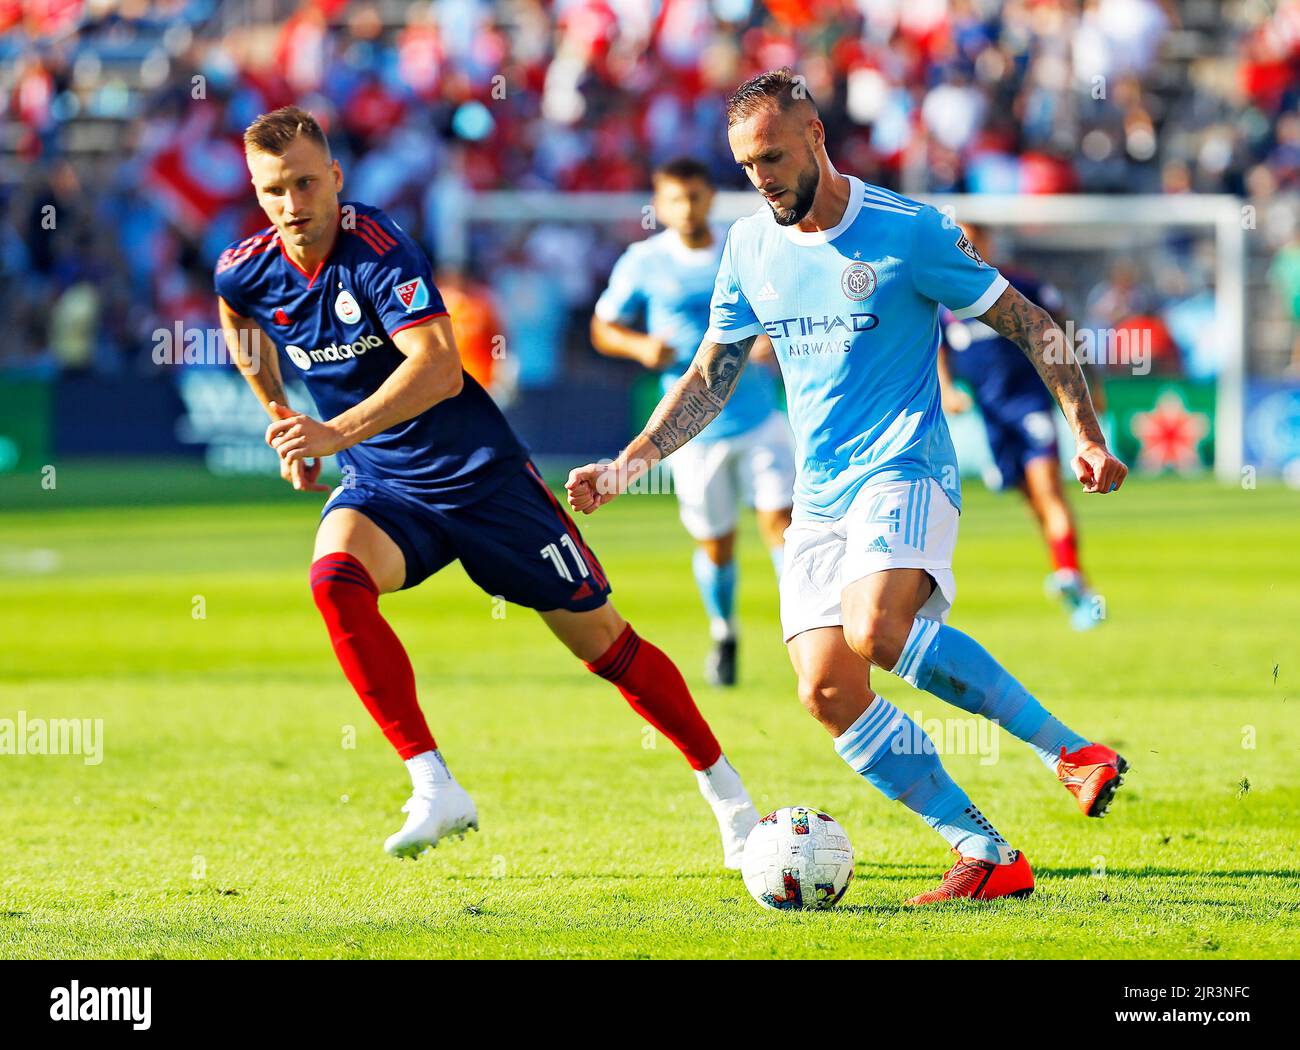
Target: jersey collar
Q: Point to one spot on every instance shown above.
(320, 266)
(694, 256)
(851, 210)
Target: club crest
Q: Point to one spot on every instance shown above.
(858, 281)
(348, 309)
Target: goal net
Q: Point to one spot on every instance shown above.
(1154, 292)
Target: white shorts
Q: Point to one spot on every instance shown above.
(890, 525)
(711, 478)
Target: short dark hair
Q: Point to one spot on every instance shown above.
(683, 169)
(782, 87)
(274, 132)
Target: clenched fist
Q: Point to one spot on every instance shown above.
(593, 486)
(1096, 469)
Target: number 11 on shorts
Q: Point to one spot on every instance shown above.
(553, 553)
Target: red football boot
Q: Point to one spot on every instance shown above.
(1091, 775)
(981, 880)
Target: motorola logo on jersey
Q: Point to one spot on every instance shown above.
(304, 359)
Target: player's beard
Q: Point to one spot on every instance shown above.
(695, 232)
(805, 189)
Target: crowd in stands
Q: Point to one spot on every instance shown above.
(123, 174)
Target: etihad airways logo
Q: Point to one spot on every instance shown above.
(801, 333)
(803, 327)
(334, 352)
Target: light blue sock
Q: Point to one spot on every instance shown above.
(778, 559)
(955, 667)
(898, 758)
(717, 584)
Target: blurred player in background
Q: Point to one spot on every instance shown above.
(479, 333)
(665, 282)
(846, 278)
(432, 472)
(1020, 420)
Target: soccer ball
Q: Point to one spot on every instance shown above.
(797, 858)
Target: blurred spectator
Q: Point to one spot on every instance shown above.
(129, 114)
(1285, 277)
(1121, 296)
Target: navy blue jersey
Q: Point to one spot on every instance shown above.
(336, 328)
(1002, 379)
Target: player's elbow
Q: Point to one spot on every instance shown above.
(599, 334)
(452, 381)
(445, 378)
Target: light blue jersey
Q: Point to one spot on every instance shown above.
(671, 285)
(853, 314)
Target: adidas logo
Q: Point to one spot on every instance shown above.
(766, 294)
(879, 546)
(584, 591)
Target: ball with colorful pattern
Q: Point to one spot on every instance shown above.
(797, 858)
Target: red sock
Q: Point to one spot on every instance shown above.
(1065, 552)
(651, 683)
(369, 652)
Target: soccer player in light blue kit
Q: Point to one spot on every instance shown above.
(665, 283)
(846, 279)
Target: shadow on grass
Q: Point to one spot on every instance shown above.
(1173, 873)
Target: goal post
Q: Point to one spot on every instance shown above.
(1218, 214)
(1102, 225)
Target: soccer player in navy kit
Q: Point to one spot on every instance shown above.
(432, 472)
(1020, 420)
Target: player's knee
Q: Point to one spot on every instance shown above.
(821, 697)
(1055, 516)
(878, 636)
(721, 550)
(341, 588)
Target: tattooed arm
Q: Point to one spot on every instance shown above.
(1031, 328)
(691, 405)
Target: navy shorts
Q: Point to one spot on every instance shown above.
(517, 542)
(1018, 437)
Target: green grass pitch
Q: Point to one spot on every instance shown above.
(243, 794)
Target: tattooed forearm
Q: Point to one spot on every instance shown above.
(698, 397)
(1032, 328)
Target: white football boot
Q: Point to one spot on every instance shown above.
(722, 788)
(449, 811)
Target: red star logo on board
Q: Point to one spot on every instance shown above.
(1169, 434)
